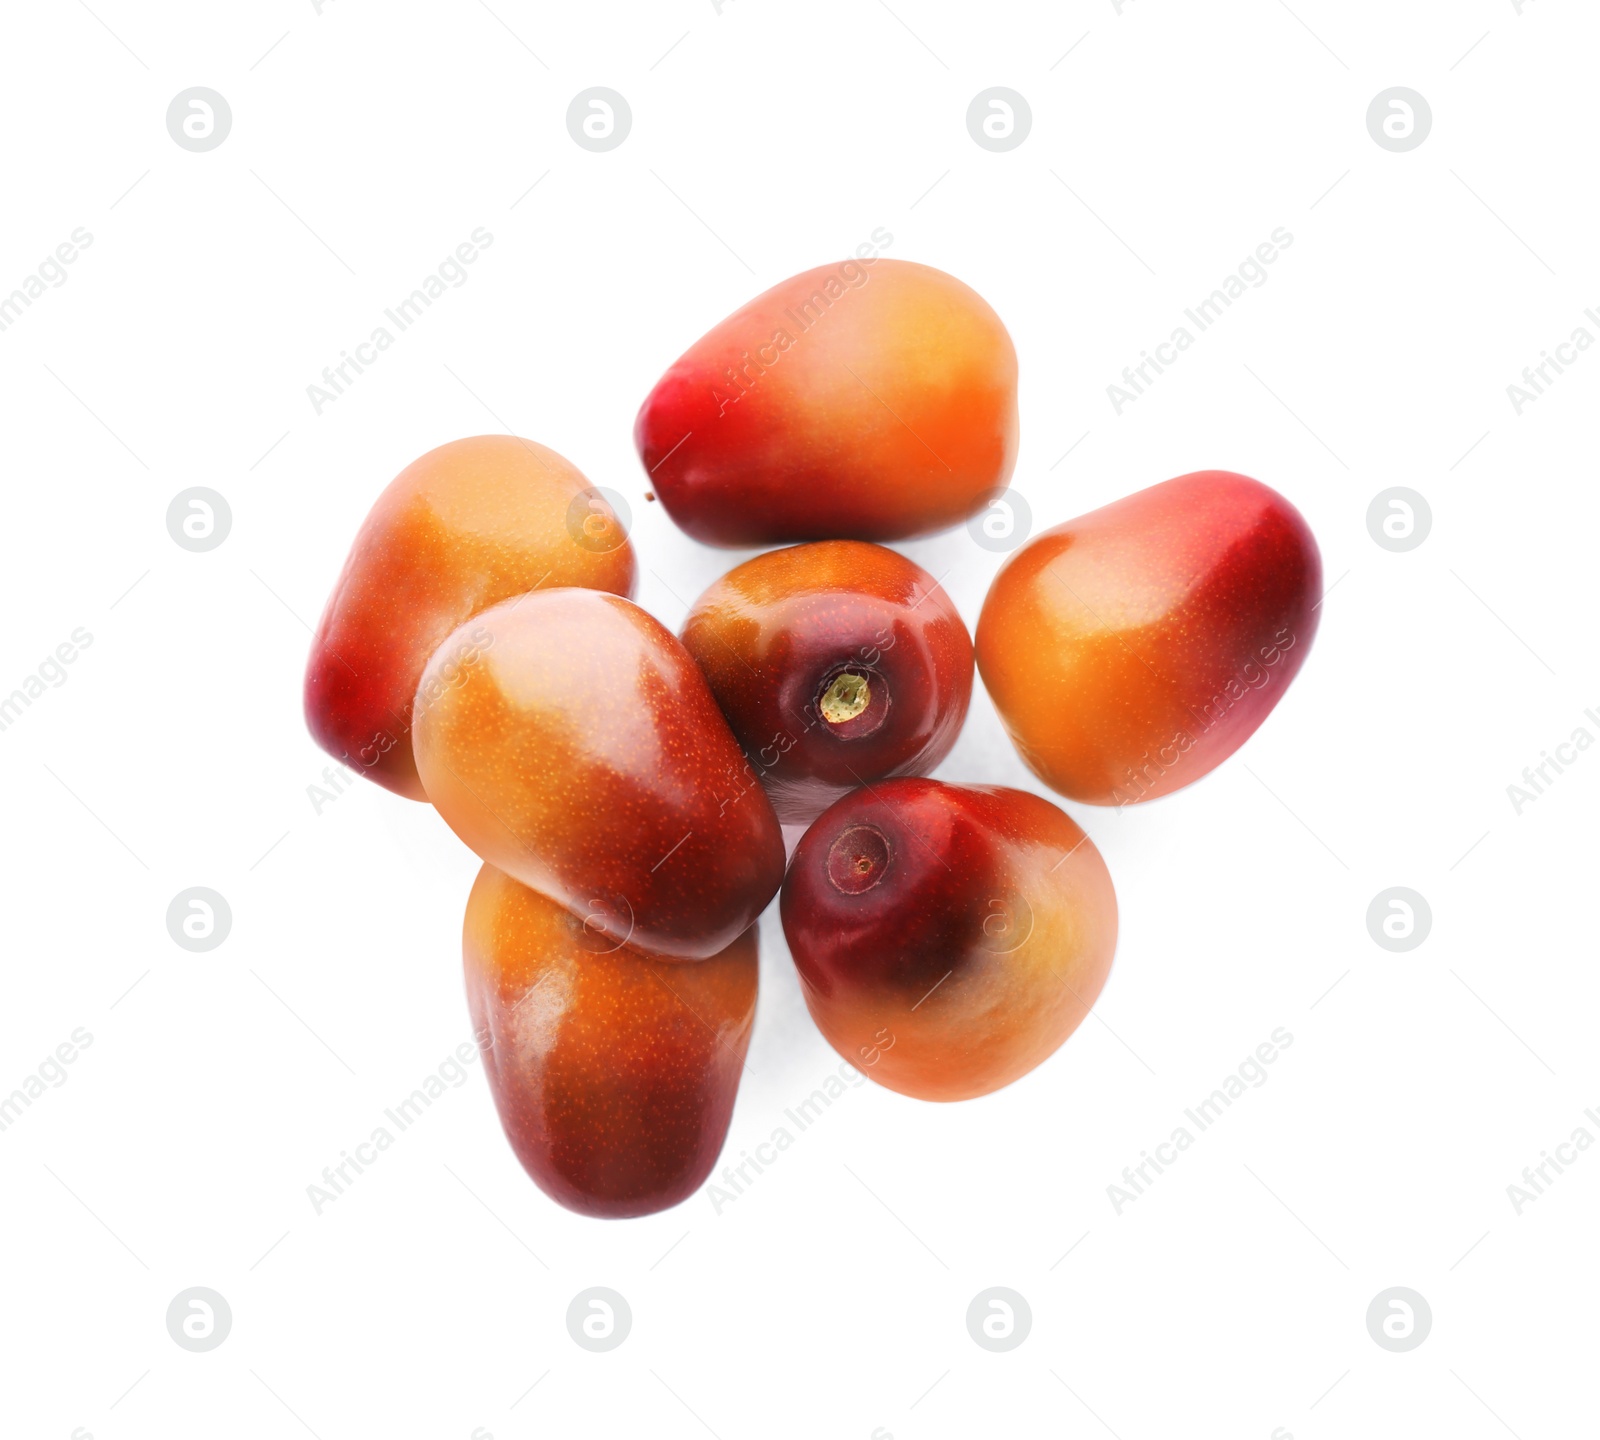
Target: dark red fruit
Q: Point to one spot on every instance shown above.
(837, 664)
(614, 1071)
(948, 939)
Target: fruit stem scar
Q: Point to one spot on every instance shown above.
(845, 698)
(858, 859)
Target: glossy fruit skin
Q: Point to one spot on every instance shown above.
(774, 634)
(1132, 650)
(468, 524)
(571, 741)
(948, 938)
(614, 1072)
(867, 399)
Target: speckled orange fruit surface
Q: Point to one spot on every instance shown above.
(1132, 650)
(614, 1072)
(468, 524)
(570, 740)
(871, 399)
(949, 938)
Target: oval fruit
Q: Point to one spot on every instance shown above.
(614, 1072)
(571, 741)
(869, 399)
(837, 664)
(1132, 650)
(468, 524)
(948, 938)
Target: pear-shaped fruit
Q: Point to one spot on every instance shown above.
(949, 938)
(467, 525)
(614, 1071)
(1132, 650)
(871, 399)
(570, 740)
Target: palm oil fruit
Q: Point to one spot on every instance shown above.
(871, 399)
(949, 938)
(1132, 650)
(837, 664)
(570, 740)
(467, 525)
(614, 1071)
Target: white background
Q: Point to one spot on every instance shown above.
(830, 1298)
